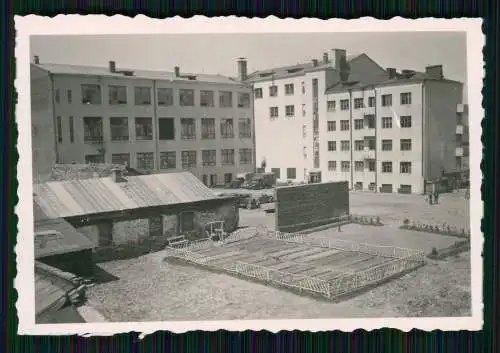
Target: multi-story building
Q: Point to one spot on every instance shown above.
(148, 120)
(378, 129)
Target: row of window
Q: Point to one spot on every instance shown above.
(273, 90)
(117, 95)
(360, 145)
(119, 129)
(291, 173)
(404, 99)
(289, 111)
(369, 123)
(360, 166)
(168, 160)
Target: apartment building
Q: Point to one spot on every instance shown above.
(290, 107)
(148, 120)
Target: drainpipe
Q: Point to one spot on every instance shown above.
(254, 142)
(424, 135)
(156, 121)
(376, 142)
(54, 123)
(350, 138)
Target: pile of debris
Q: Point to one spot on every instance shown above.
(87, 171)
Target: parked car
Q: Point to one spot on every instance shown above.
(249, 202)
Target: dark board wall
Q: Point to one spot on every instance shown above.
(312, 205)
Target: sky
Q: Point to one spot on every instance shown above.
(218, 53)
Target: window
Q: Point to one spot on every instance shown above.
(228, 177)
(145, 160)
(246, 156)
(59, 129)
(405, 144)
(406, 121)
(344, 104)
(387, 122)
(358, 124)
(273, 91)
(117, 95)
(226, 129)
(331, 125)
(245, 128)
(226, 99)
(344, 125)
(330, 106)
(207, 98)
(91, 94)
(304, 131)
(71, 129)
(386, 167)
(303, 110)
(168, 160)
(358, 103)
(208, 158)
(370, 121)
(332, 146)
(405, 98)
(94, 159)
(289, 89)
(188, 129)
(165, 96)
(166, 128)
(332, 165)
(187, 221)
(92, 129)
(371, 101)
(404, 189)
(386, 100)
(57, 96)
(243, 100)
(227, 156)
(69, 96)
(258, 93)
(142, 95)
(345, 166)
(371, 166)
(273, 112)
(143, 128)
(208, 128)
(186, 97)
(303, 85)
(188, 159)
(359, 166)
(120, 159)
(386, 145)
(370, 143)
(405, 167)
(119, 128)
(276, 172)
(291, 173)
(290, 110)
(345, 145)
(304, 151)
(359, 145)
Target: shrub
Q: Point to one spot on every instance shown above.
(406, 221)
(434, 252)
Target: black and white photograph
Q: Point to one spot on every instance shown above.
(269, 178)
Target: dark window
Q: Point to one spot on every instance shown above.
(258, 93)
(386, 100)
(166, 128)
(143, 128)
(330, 106)
(358, 103)
(94, 159)
(386, 145)
(359, 166)
(332, 146)
(226, 99)
(245, 128)
(345, 166)
(142, 95)
(371, 101)
(359, 145)
(227, 156)
(59, 129)
(92, 129)
(228, 177)
(290, 110)
(371, 166)
(273, 112)
(332, 165)
(145, 160)
(370, 121)
(188, 159)
(406, 121)
(165, 96)
(405, 144)
(344, 104)
(208, 128)
(186, 98)
(117, 95)
(187, 221)
(120, 159)
(208, 158)
(246, 156)
(91, 94)
(69, 96)
(358, 124)
(344, 125)
(273, 91)
(332, 125)
(226, 129)
(119, 128)
(291, 173)
(405, 167)
(188, 129)
(406, 98)
(277, 172)
(168, 160)
(207, 98)
(243, 100)
(345, 145)
(289, 89)
(386, 167)
(57, 96)
(71, 129)
(387, 122)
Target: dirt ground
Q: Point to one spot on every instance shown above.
(148, 289)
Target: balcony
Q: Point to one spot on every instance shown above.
(459, 152)
(460, 129)
(368, 153)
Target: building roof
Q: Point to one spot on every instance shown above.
(293, 70)
(56, 236)
(61, 199)
(65, 69)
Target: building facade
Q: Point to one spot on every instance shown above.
(380, 130)
(150, 121)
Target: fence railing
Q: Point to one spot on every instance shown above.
(241, 234)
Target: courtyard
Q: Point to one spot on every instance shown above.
(148, 288)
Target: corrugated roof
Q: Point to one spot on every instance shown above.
(60, 199)
(138, 73)
(50, 288)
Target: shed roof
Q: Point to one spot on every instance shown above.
(61, 199)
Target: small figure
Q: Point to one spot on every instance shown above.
(430, 198)
(436, 197)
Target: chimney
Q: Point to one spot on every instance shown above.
(391, 72)
(435, 72)
(112, 66)
(325, 58)
(36, 59)
(315, 62)
(242, 69)
(337, 56)
(116, 175)
(177, 70)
